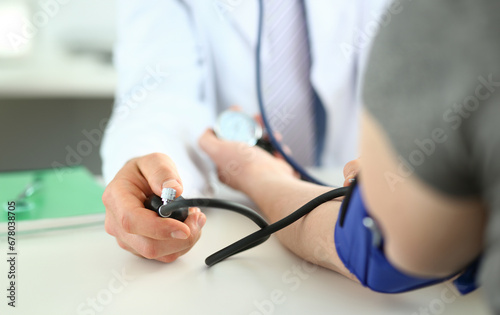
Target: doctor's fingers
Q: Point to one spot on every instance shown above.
(259, 120)
(192, 220)
(165, 259)
(213, 146)
(126, 213)
(163, 250)
(286, 149)
(160, 171)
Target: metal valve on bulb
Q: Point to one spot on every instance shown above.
(160, 205)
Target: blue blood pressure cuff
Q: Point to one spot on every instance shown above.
(359, 245)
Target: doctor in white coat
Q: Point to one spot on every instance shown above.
(180, 63)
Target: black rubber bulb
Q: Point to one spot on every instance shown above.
(154, 203)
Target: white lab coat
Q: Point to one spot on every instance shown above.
(179, 63)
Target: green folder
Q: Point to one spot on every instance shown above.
(51, 198)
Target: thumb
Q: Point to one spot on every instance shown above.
(351, 169)
(209, 142)
(259, 120)
(160, 172)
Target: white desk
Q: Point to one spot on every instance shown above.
(60, 272)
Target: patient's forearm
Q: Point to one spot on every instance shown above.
(312, 236)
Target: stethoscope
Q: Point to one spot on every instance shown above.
(236, 126)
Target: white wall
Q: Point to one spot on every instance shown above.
(62, 87)
(79, 23)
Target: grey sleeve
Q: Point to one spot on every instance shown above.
(432, 71)
(433, 84)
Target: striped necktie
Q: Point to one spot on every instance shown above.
(288, 94)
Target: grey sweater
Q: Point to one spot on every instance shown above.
(433, 83)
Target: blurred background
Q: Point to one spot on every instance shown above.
(56, 82)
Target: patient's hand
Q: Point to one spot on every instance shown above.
(240, 166)
(351, 170)
(271, 183)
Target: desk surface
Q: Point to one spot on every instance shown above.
(84, 271)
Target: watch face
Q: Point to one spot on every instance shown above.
(237, 126)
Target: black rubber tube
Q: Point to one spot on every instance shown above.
(264, 233)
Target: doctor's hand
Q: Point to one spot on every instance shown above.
(142, 231)
(240, 166)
